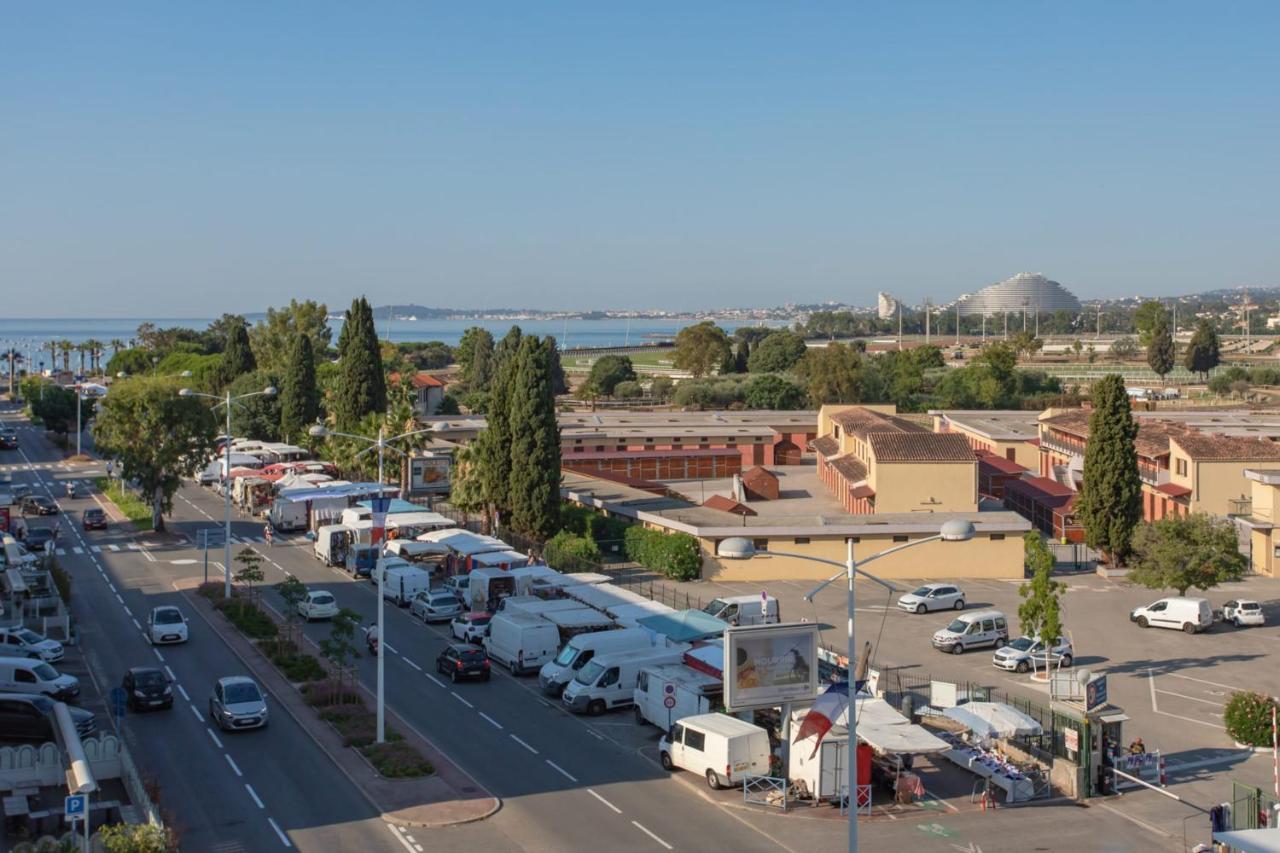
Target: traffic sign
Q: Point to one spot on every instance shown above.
(75, 806)
(670, 702)
(669, 688)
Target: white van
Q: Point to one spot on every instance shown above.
(609, 680)
(402, 583)
(691, 693)
(745, 609)
(32, 675)
(1192, 615)
(415, 552)
(521, 642)
(971, 630)
(723, 749)
(555, 674)
(15, 554)
(331, 544)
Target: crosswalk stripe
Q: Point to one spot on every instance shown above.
(76, 549)
(132, 546)
(113, 547)
(62, 552)
(97, 549)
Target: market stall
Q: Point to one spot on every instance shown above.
(987, 724)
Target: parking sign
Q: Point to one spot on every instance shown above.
(75, 806)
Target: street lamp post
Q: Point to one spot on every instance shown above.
(740, 548)
(381, 444)
(227, 401)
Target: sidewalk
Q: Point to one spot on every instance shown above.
(447, 797)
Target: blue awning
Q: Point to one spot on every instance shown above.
(684, 626)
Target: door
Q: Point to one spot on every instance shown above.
(610, 685)
(677, 745)
(988, 631)
(1158, 614)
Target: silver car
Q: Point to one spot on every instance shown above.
(435, 605)
(1022, 653)
(238, 703)
(23, 642)
(933, 596)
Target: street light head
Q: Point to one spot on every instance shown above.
(736, 548)
(186, 374)
(318, 431)
(957, 530)
(270, 391)
(1083, 676)
(184, 392)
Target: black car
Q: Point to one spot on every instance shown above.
(94, 519)
(38, 505)
(147, 687)
(28, 716)
(8, 441)
(459, 661)
(36, 538)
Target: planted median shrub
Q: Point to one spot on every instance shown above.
(296, 665)
(1248, 718)
(675, 555)
(245, 615)
(397, 760)
(567, 552)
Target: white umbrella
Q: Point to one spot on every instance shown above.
(1000, 719)
(982, 728)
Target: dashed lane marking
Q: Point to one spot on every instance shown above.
(606, 802)
(525, 745)
(651, 835)
(565, 773)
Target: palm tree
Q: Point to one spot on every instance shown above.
(66, 347)
(95, 347)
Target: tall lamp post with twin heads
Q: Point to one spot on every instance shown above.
(228, 401)
(741, 548)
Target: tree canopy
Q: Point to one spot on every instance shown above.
(1161, 354)
(701, 348)
(474, 354)
(833, 374)
(778, 352)
(769, 391)
(1110, 501)
(1183, 551)
(237, 356)
(1202, 353)
(361, 385)
(1146, 317)
(535, 443)
(608, 371)
(299, 394)
(272, 337)
(1040, 613)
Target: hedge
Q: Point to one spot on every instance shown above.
(566, 552)
(675, 555)
(1248, 718)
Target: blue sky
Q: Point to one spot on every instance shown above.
(185, 159)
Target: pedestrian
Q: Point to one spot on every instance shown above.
(1137, 747)
(266, 532)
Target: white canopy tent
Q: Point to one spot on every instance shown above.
(1250, 840)
(993, 720)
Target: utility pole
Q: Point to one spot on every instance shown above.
(899, 303)
(957, 323)
(926, 322)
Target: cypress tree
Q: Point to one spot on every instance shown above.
(1160, 351)
(559, 385)
(742, 357)
(361, 387)
(237, 358)
(299, 396)
(1202, 352)
(1110, 502)
(535, 443)
(492, 456)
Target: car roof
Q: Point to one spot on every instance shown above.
(160, 607)
(144, 670)
(228, 680)
(465, 647)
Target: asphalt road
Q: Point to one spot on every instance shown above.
(246, 791)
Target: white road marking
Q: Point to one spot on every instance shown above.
(97, 549)
(565, 773)
(1151, 679)
(284, 839)
(137, 624)
(113, 546)
(491, 721)
(214, 737)
(392, 649)
(596, 735)
(159, 656)
(196, 711)
(651, 835)
(603, 800)
(254, 794)
(412, 664)
(460, 699)
(119, 599)
(76, 549)
(172, 677)
(1202, 681)
(111, 586)
(525, 745)
(396, 832)
(183, 692)
(61, 552)
(127, 610)
(435, 680)
(1192, 698)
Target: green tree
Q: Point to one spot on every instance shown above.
(299, 394)
(250, 571)
(1110, 501)
(55, 406)
(779, 352)
(1183, 551)
(339, 647)
(291, 591)
(157, 436)
(628, 389)
(742, 356)
(257, 417)
(131, 362)
(1123, 348)
(491, 459)
(361, 386)
(474, 354)
(662, 387)
(1161, 354)
(559, 383)
(1201, 355)
(608, 371)
(1145, 319)
(214, 337)
(535, 445)
(833, 374)
(567, 552)
(1247, 718)
(134, 838)
(272, 337)
(701, 348)
(1077, 346)
(237, 356)
(768, 391)
(1040, 613)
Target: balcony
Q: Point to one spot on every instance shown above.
(1057, 444)
(1240, 506)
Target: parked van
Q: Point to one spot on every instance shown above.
(428, 553)
(578, 651)
(584, 620)
(32, 675)
(332, 541)
(745, 610)
(401, 583)
(361, 560)
(1192, 615)
(521, 642)
(488, 586)
(971, 630)
(690, 691)
(609, 680)
(721, 748)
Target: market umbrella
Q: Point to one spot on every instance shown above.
(982, 728)
(1000, 719)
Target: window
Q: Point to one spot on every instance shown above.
(760, 544)
(610, 678)
(642, 681)
(1180, 466)
(996, 537)
(22, 676)
(694, 739)
(900, 538)
(677, 733)
(988, 624)
(801, 540)
(1000, 623)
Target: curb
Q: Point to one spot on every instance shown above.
(388, 817)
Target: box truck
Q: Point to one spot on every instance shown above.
(670, 692)
(745, 609)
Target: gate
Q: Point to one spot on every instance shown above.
(1253, 808)
(765, 791)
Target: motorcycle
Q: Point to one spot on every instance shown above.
(371, 639)
(71, 490)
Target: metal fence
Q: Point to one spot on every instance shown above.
(1253, 808)
(1073, 555)
(765, 791)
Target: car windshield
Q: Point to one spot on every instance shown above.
(566, 656)
(714, 607)
(922, 591)
(150, 678)
(443, 598)
(92, 513)
(242, 691)
(1250, 605)
(1022, 644)
(168, 617)
(45, 672)
(589, 673)
(29, 636)
(958, 626)
(323, 598)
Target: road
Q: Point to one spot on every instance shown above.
(247, 791)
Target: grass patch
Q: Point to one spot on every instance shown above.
(397, 760)
(134, 508)
(296, 665)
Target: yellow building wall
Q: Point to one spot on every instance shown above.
(1262, 552)
(932, 486)
(1217, 483)
(1025, 453)
(1264, 500)
(981, 557)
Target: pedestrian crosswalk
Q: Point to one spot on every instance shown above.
(113, 547)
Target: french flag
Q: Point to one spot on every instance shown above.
(826, 709)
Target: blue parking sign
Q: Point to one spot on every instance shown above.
(76, 805)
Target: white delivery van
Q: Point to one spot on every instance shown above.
(971, 630)
(745, 610)
(609, 680)
(581, 649)
(1192, 615)
(690, 691)
(721, 748)
(331, 544)
(487, 586)
(15, 555)
(288, 515)
(521, 642)
(401, 583)
(32, 675)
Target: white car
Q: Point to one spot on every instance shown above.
(470, 627)
(1022, 653)
(1243, 612)
(166, 624)
(933, 596)
(23, 642)
(435, 605)
(319, 604)
(459, 586)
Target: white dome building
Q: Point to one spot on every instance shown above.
(1024, 292)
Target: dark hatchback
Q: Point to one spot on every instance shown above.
(37, 538)
(147, 688)
(29, 717)
(94, 519)
(458, 661)
(38, 505)
(8, 441)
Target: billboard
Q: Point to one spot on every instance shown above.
(766, 665)
(429, 473)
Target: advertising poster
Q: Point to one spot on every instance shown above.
(768, 665)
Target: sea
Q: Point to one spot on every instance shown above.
(20, 333)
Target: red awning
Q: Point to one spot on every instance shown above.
(1173, 490)
(862, 492)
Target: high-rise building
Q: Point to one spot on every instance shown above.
(886, 305)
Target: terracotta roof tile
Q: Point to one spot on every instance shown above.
(850, 468)
(725, 504)
(825, 446)
(1227, 448)
(863, 422)
(921, 447)
(1153, 433)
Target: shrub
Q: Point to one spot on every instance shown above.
(134, 838)
(397, 760)
(61, 580)
(628, 389)
(296, 665)
(249, 618)
(581, 521)
(325, 693)
(1248, 718)
(675, 555)
(568, 552)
